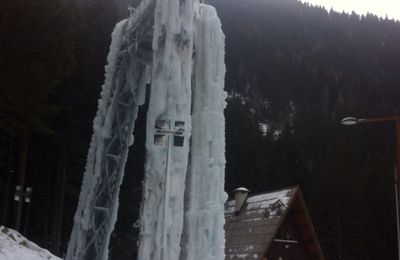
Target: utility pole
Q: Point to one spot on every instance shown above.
(23, 160)
(397, 210)
(7, 189)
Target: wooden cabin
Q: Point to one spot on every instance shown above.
(270, 226)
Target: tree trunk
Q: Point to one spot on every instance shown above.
(58, 211)
(8, 184)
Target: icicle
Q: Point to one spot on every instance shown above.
(170, 101)
(203, 236)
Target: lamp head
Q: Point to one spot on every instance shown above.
(351, 121)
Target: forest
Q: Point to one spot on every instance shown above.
(293, 72)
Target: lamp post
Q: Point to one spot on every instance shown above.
(348, 121)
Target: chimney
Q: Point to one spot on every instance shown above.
(241, 194)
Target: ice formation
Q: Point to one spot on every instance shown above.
(203, 237)
(123, 91)
(182, 211)
(170, 100)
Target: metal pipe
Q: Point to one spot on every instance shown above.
(382, 119)
(166, 195)
(398, 152)
(397, 211)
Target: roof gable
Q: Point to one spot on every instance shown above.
(249, 234)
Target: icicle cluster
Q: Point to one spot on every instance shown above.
(170, 100)
(203, 238)
(173, 227)
(182, 212)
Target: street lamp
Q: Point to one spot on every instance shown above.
(353, 121)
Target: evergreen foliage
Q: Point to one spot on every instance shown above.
(299, 70)
(36, 51)
(293, 72)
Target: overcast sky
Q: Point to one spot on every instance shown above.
(391, 8)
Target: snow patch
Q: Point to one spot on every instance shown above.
(14, 246)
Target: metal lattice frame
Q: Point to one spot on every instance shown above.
(112, 167)
(96, 213)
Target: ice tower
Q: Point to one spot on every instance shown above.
(176, 46)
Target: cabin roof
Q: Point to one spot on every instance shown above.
(250, 232)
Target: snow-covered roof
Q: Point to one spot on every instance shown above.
(13, 246)
(249, 233)
(260, 202)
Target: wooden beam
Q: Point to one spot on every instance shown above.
(296, 211)
(303, 226)
(308, 241)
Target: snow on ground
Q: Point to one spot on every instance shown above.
(13, 246)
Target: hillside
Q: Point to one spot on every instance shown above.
(293, 72)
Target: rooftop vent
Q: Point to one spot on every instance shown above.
(240, 198)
